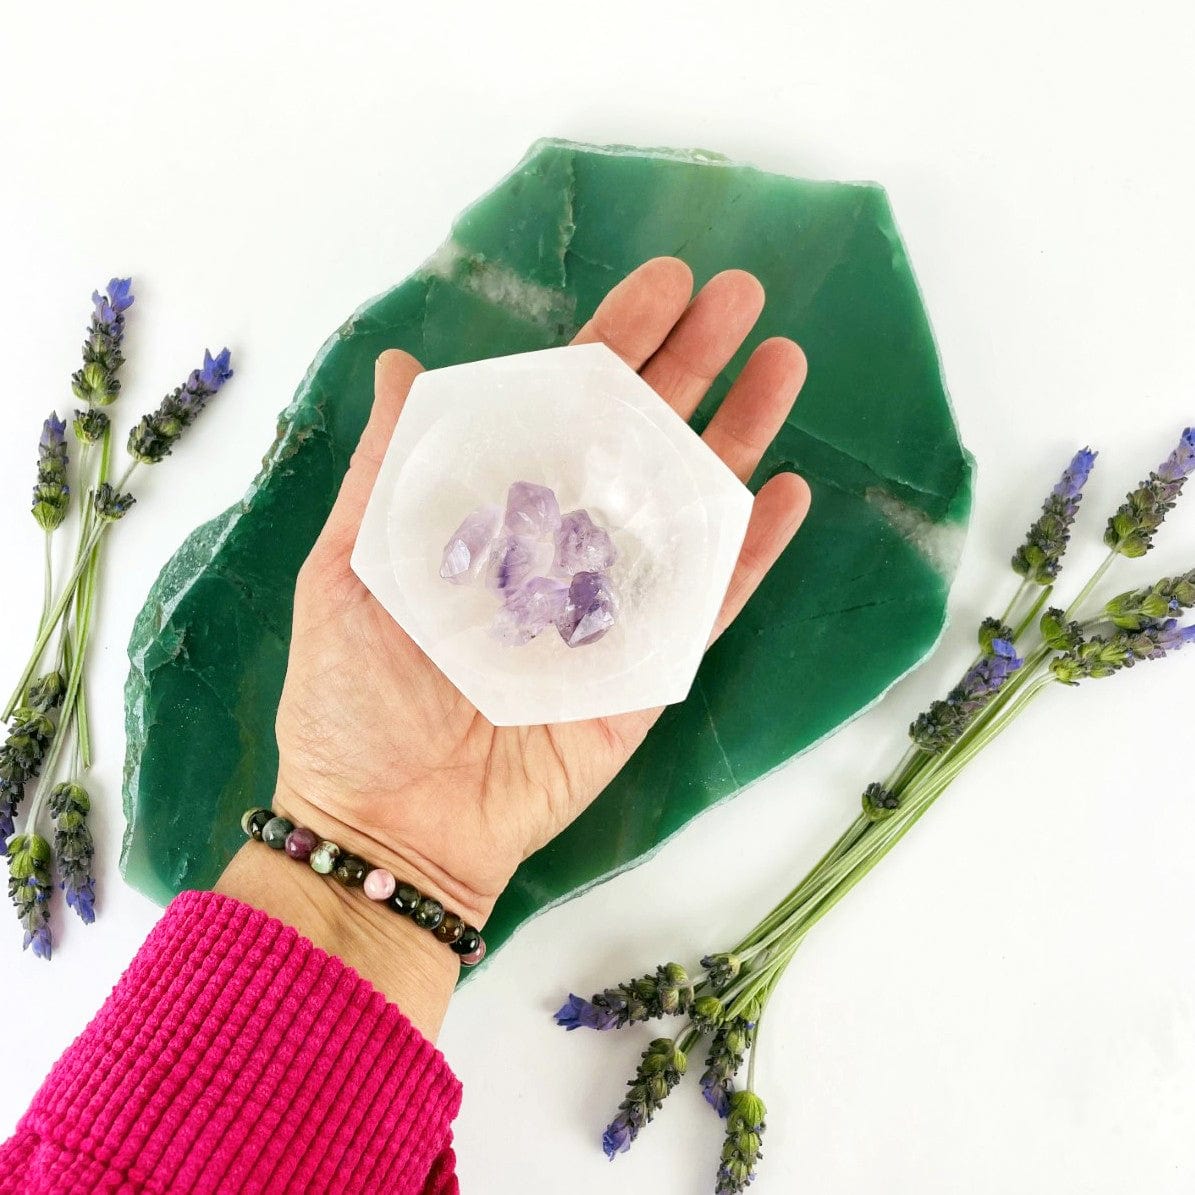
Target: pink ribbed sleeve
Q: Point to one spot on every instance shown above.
(236, 1056)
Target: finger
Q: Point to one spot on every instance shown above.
(705, 338)
(636, 316)
(780, 508)
(394, 371)
(758, 403)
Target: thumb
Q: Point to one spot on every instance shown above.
(394, 372)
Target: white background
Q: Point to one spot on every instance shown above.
(1005, 1005)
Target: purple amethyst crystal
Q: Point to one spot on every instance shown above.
(514, 560)
(548, 570)
(582, 546)
(589, 612)
(531, 510)
(466, 552)
(530, 609)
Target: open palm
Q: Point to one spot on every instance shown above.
(379, 750)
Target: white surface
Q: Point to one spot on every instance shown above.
(1006, 1004)
(581, 422)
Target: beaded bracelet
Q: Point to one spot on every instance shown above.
(326, 858)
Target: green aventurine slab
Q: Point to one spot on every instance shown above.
(856, 602)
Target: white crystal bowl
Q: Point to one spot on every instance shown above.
(579, 420)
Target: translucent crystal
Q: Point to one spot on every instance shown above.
(582, 546)
(468, 549)
(583, 432)
(530, 610)
(515, 559)
(589, 612)
(532, 510)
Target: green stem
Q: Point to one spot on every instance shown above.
(1034, 610)
(47, 595)
(1016, 601)
(55, 615)
(1094, 580)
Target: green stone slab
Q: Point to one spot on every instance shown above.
(855, 603)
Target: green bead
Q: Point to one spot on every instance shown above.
(274, 832)
(351, 871)
(429, 914)
(323, 858)
(253, 821)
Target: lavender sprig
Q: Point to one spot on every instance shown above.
(73, 847)
(742, 1148)
(1131, 529)
(29, 889)
(728, 1048)
(155, 435)
(659, 1071)
(51, 493)
(945, 720)
(1039, 558)
(1137, 608)
(96, 383)
(1101, 656)
(636, 1000)
(24, 748)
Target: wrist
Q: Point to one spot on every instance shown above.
(405, 963)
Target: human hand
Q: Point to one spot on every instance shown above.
(379, 752)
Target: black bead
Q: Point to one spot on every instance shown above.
(405, 899)
(350, 871)
(429, 914)
(467, 942)
(257, 822)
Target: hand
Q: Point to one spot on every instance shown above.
(379, 752)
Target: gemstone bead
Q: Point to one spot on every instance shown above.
(323, 858)
(405, 899)
(254, 820)
(274, 832)
(450, 928)
(247, 819)
(429, 913)
(379, 884)
(300, 842)
(468, 942)
(350, 871)
(474, 956)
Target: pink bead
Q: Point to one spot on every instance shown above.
(379, 884)
(471, 960)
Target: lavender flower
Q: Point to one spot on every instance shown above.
(96, 383)
(945, 720)
(73, 847)
(1099, 656)
(659, 1071)
(742, 1148)
(155, 435)
(111, 505)
(599, 1013)
(51, 494)
(1131, 529)
(90, 425)
(636, 1000)
(29, 889)
(1138, 608)
(1039, 558)
(880, 802)
(29, 735)
(727, 1050)
(721, 969)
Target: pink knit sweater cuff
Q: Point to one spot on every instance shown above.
(234, 1055)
